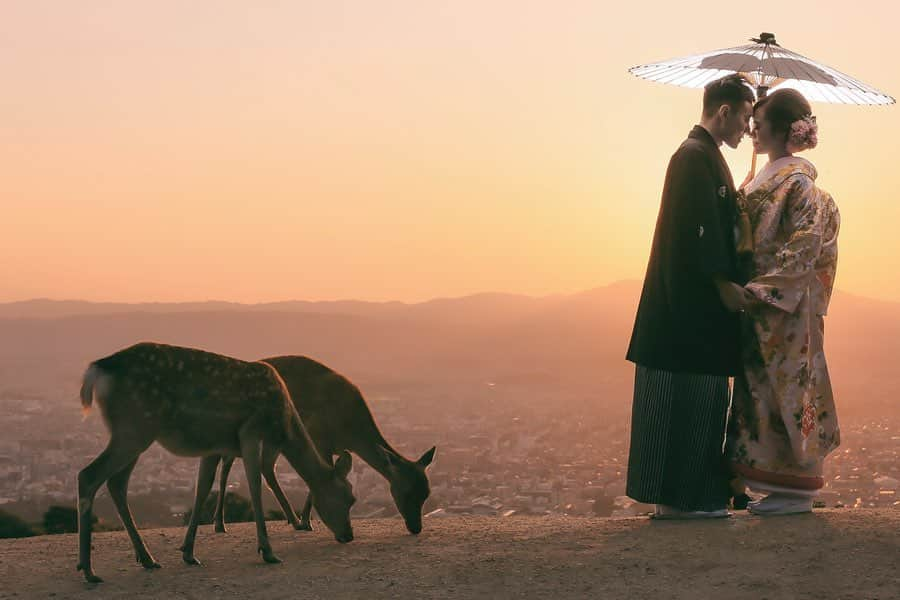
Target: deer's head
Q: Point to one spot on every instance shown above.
(333, 497)
(409, 486)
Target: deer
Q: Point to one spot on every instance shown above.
(337, 418)
(196, 403)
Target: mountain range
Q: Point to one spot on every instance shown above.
(570, 340)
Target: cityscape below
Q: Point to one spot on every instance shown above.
(497, 454)
(527, 399)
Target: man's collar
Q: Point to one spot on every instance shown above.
(700, 132)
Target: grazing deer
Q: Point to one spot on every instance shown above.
(337, 418)
(196, 403)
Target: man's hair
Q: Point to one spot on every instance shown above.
(731, 90)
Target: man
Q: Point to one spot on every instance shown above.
(685, 342)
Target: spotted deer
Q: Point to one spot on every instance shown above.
(196, 403)
(337, 418)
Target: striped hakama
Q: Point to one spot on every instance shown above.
(677, 435)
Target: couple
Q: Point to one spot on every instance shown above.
(737, 284)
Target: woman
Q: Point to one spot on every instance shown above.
(783, 420)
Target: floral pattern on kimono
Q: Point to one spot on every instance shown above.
(783, 416)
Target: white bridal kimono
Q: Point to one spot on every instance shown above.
(783, 417)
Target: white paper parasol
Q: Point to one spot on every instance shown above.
(768, 66)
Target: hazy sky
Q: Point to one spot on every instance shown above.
(389, 150)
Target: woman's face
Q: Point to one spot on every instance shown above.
(764, 139)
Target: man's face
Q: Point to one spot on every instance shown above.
(736, 123)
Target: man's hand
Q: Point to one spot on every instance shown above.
(750, 299)
(733, 296)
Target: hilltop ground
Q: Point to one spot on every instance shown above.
(832, 554)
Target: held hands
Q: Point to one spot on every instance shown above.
(734, 297)
(750, 299)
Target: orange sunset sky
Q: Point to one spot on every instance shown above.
(386, 150)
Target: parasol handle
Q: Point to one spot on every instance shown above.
(752, 172)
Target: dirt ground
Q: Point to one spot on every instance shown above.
(832, 554)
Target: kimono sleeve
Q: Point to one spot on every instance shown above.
(697, 244)
(826, 263)
(788, 280)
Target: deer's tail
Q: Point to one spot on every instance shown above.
(87, 387)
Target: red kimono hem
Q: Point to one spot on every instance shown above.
(792, 481)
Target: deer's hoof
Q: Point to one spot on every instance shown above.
(220, 528)
(89, 575)
(269, 556)
(303, 526)
(147, 561)
(190, 559)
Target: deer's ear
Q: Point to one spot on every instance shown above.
(389, 457)
(343, 464)
(426, 458)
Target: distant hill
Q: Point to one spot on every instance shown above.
(574, 340)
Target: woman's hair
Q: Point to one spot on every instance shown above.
(783, 108)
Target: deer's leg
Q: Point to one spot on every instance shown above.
(119, 453)
(118, 491)
(250, 454)
(269, 457)
(219, 516)
(305, 525)
(305, 519)
(205, 481)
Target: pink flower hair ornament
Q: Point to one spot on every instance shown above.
(804, 134)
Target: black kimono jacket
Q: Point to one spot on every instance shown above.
(681, 324)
